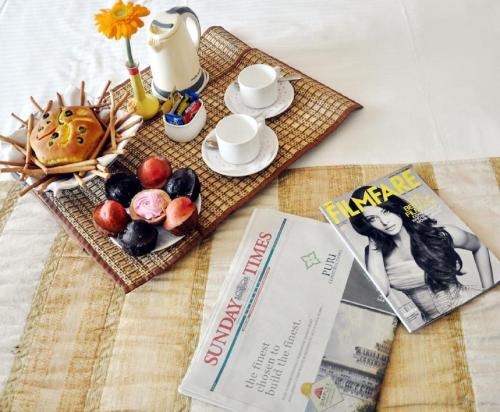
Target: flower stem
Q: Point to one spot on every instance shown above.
(130, 62)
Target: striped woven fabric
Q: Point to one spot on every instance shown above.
(85, 345)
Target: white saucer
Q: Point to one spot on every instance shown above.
(286, 93)
(268, 150)
(165, 239)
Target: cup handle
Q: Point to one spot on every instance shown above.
(277, 69)
(261, 122)
(211, 135)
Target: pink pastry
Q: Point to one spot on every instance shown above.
(150, 205)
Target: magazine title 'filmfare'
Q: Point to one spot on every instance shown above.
(399, 184)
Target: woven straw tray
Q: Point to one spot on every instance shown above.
(315, 112)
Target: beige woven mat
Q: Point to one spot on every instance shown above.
(316, 111)
(87, 346)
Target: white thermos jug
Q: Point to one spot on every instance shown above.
(173, 40)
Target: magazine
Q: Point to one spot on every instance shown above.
(422, 258)
(297, 326)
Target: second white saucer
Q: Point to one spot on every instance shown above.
(233, 101)
(268, 150)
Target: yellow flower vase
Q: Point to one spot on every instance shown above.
(146, 105)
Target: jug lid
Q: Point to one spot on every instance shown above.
(164, 24)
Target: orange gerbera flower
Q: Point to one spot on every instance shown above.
(122, 20)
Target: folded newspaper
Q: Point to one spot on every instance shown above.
(297, 326)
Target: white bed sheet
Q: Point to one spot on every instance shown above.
(427, 73)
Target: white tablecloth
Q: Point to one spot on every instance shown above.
(426, 71)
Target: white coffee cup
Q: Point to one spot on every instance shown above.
(258, 85)
(238, 138)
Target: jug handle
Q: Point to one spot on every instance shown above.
(187, 13)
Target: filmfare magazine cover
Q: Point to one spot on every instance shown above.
(420, 255)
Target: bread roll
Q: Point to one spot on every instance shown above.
(66, 135)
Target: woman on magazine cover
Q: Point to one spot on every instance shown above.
(418, 257)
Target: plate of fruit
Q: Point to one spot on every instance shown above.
(151, 210)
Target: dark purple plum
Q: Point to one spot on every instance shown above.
(138, 238)
(122, 187)
(184, 182)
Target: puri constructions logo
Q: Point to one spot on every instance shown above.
(323, 394)
(310, 260)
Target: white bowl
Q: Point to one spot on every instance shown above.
(187, 132)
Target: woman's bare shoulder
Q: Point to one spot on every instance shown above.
(461, 237)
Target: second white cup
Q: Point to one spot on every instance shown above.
(258, 85)
(238, 138)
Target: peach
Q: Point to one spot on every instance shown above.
(154, 172)
(110, 217)
(182, 216)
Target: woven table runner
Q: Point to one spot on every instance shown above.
(315, 112)
(88, 346)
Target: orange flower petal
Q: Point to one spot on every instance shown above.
(122, 20)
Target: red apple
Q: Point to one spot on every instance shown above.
(110, 217)
(182, 216)
(154, 172)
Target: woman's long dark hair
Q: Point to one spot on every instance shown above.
(431, 245)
